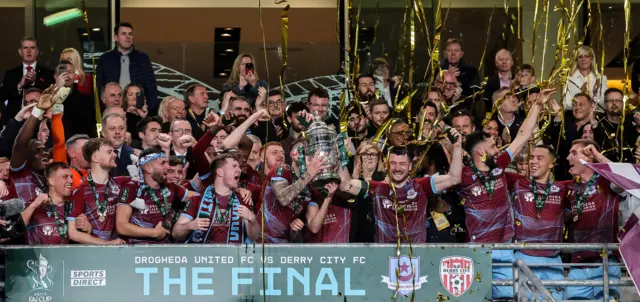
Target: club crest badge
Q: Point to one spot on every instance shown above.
(404, 275)
(496, 171)
(528, 197)
(555, 189)
(476, 191)
(411, 194)
(456, 274)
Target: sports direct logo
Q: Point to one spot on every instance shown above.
(89, 278)
(456, 274)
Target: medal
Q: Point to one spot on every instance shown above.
(575, 218)
(540, 199)
(100, 216)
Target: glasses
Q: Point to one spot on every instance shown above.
(182, 131)
(275, 103)
(369, 155)
(613, 101)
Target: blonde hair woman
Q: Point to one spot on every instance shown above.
(84, 81)
(244, 80)
(584, 77)
(367, 161)
(171, 108)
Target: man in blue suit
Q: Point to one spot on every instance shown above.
(114, 129)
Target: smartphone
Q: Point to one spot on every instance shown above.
(139, 100)
(61, 68)
(249, 67)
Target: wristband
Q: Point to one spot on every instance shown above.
(37, 112)
(57, 108)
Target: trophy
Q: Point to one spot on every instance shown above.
(321, 138)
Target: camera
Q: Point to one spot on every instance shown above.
(10, 211)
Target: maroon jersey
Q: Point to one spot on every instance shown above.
(43, 229)
(276, 217)
(84, 202)
(221, 221)
(488, 216)
(598, 222)
(151, 215)
(413, 198)
(544, 227)
(336, 226)
(28, 184)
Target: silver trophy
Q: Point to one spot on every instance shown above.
(321, 138)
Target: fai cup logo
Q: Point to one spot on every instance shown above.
(40, 271)
(456, 274)
(404, 275)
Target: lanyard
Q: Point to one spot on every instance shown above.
(540, 199)
(62, 227)
(80, 173)
(580, 198)
(161, 207)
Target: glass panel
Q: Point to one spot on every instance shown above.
(52, 39)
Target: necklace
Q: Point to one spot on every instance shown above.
(488, 185)
(101, 207)
(581, 198)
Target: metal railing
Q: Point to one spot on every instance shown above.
(527, 286)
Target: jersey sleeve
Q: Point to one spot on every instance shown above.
(512, 178)
(428, 185)
(256, 196)
(280, 173)
(57, 133)
(180, 193)
(78, 204)
(194, 206)
(504, 158)
(127, 194)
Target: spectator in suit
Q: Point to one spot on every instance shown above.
(124, 65)
(466, 74)
(114, 130)
(503, 79)
(388, 85)
(111, 95)
(21, 78)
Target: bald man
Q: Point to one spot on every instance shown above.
(503, 77)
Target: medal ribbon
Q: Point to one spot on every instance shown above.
(161, 207)
(79, 173)
(61, 226)
(540, 199)
(101, 206)
(488, 185)
(580, 198)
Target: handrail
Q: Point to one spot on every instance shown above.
(519, 267)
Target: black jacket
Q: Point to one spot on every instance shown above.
(140, 71)
(79, 114)
(468, 77)
(10, 93)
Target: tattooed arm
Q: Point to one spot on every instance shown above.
(285, 193)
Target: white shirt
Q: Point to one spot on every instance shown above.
(24, 67)
(574, 84)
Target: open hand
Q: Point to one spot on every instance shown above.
(317, 163)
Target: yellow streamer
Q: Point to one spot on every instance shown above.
(625, 64)
(284, 31)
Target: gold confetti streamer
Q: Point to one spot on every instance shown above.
(625, 64)
(284, 31)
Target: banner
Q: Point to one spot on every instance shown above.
(237, 273)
